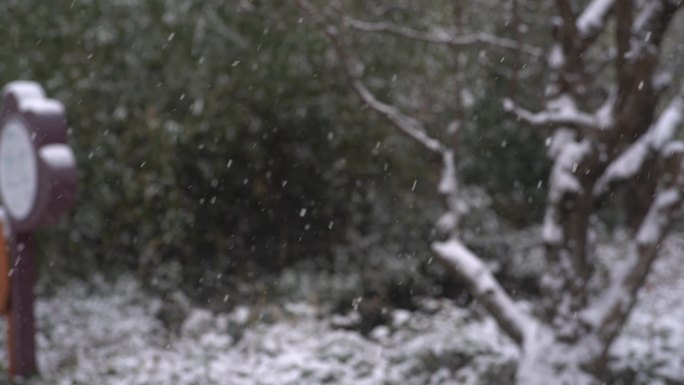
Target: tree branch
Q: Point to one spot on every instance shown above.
(592, 20)
(466, 265)
(567, 14)
(567, 32)
(442, 36)
(560, 112)
(575, 34)
(485, 288)
(580, 31)
(406, 124)
(353, 68)
(652, 143)
(653, 20)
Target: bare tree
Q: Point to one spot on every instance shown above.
(607, 135)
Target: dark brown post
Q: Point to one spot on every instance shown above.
(38, 181)
(22, 344)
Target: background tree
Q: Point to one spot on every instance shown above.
(610, 110)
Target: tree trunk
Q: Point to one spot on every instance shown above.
(604, 138)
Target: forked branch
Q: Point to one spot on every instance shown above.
(353, 68)
(459, 259)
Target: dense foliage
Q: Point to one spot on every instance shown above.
(219, 137)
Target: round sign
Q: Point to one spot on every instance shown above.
(38, 177)
(18, 169)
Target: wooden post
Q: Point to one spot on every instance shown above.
(22, 342)
(21, 331)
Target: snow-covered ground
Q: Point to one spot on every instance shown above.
(112, 334)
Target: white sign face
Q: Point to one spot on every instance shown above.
(18, 169)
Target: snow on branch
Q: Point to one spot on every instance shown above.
(406, 124)
(442, 36)
(560, 112)
(581, 30)
(485, 288)
(568, 154)
(563, 179)
(652, 143)
(353, 68)
(625, 166)
(649, 26)
(448, 188)
(593, 17)
(647, 14)
(656, 11)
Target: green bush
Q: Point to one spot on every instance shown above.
(221, 137)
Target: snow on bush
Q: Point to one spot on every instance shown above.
(100, 333)
(111, 334)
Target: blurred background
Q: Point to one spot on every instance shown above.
(218, 143)
(224, 159)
